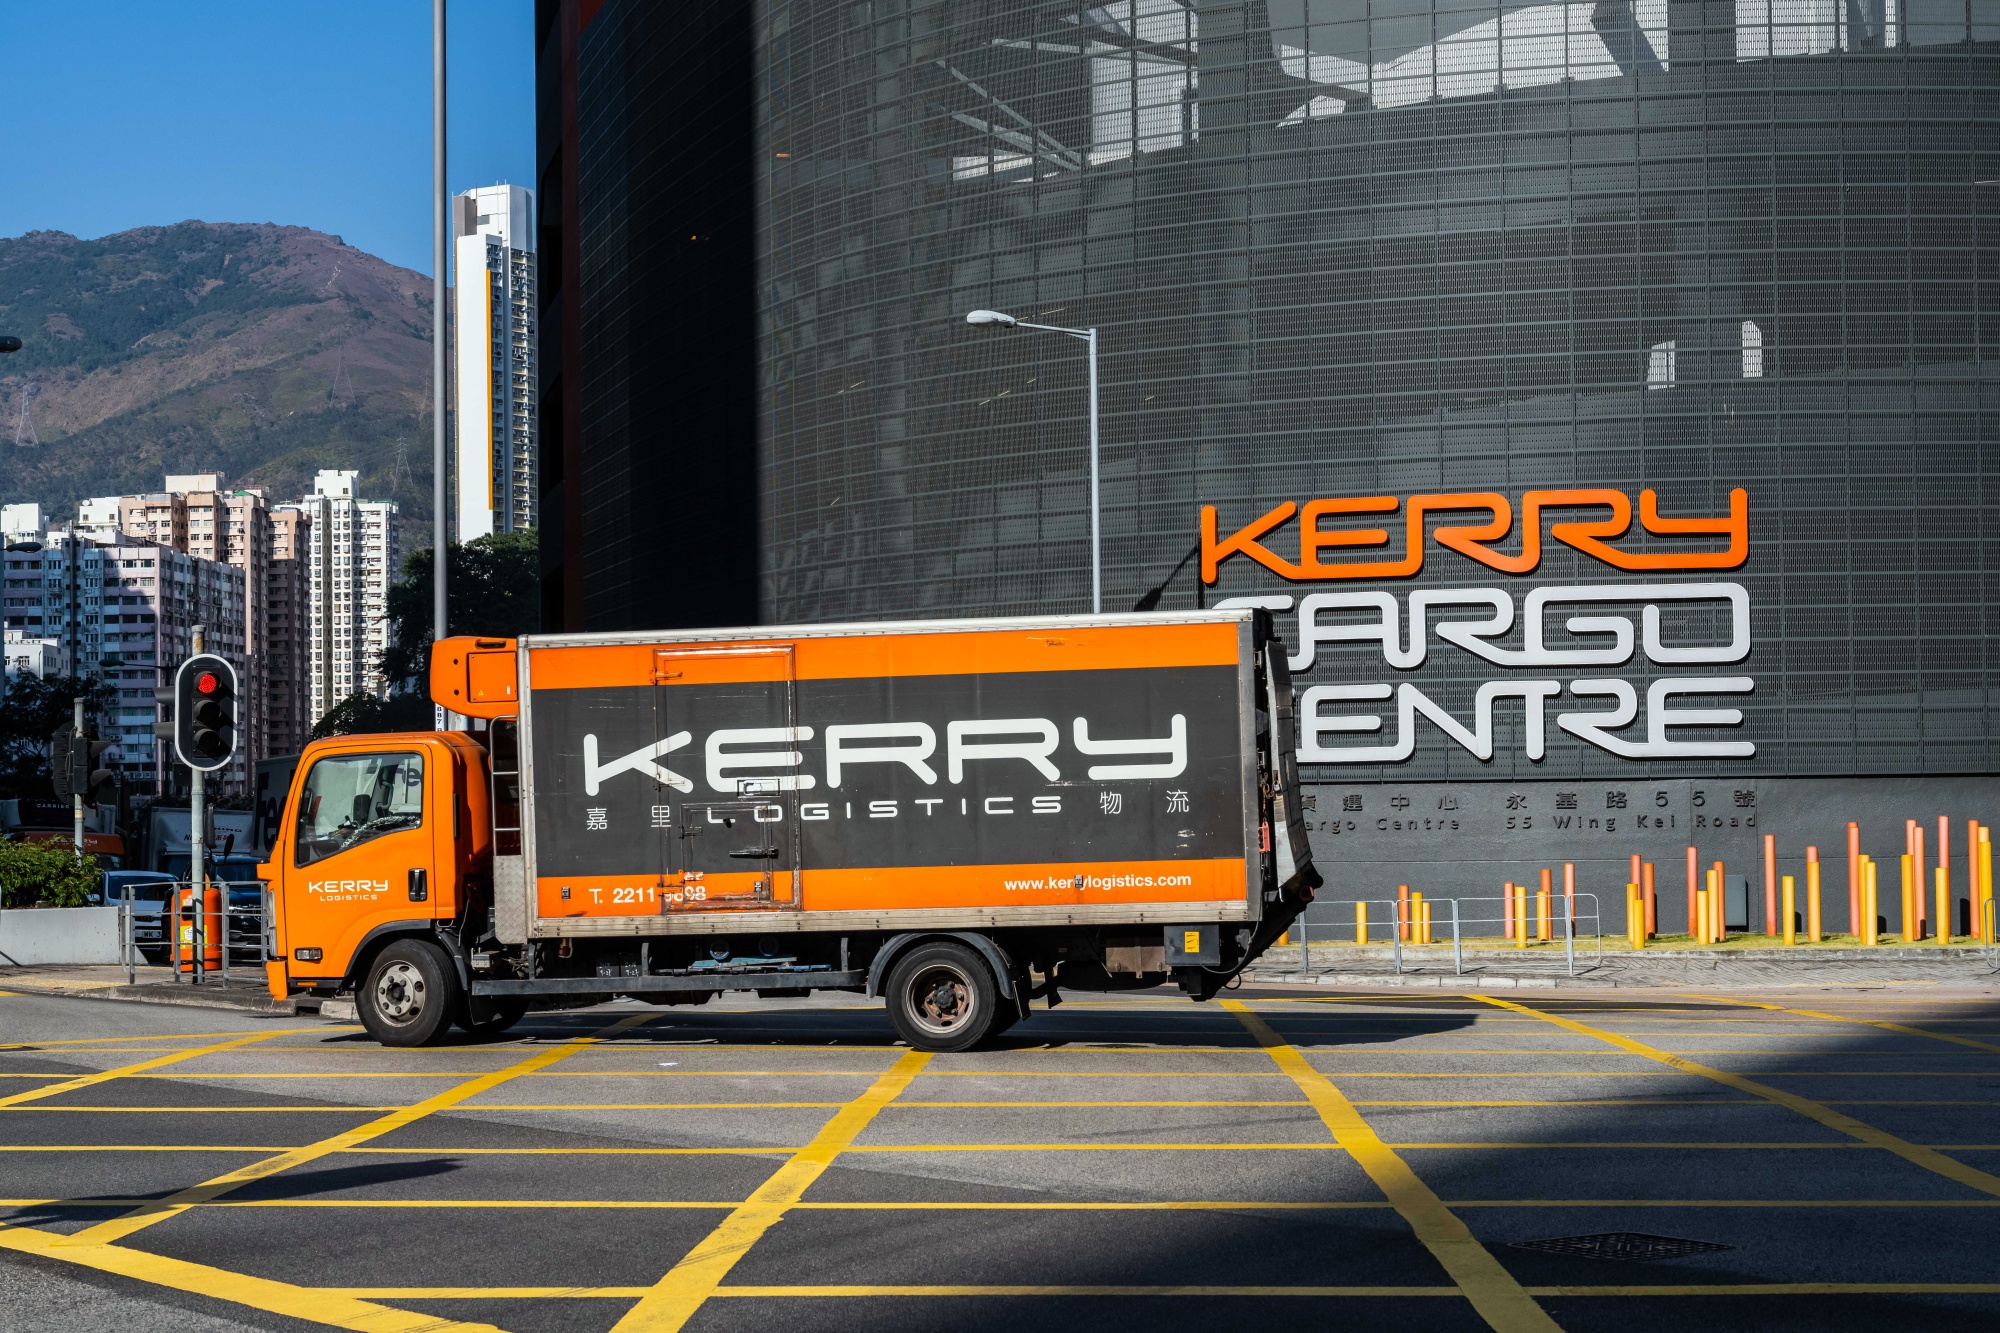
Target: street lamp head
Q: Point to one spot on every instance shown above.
(991, 317)
(9, 343)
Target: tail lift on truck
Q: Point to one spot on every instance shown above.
(937, 813)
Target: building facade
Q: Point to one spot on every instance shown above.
(287, 621)
(350, 560)
(494, 473)
(124, 611)
(1601, 395)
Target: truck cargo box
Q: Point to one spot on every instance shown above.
(878, 776)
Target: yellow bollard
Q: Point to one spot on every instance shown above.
(1871, 903)
(1416, 909)
(1361, 923)
(1521, 915)
(1542, 905)
(1812, 895)
(1943, 905)
(1790, 910)
(1706, 934)
(1635, 917)
(1428, 939)
(1909, 900)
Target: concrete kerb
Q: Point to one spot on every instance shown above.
(108, 983)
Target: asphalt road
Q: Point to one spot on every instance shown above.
(1278, 1158)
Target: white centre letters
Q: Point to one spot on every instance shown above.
(1597, 640)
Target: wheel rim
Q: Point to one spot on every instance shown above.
(941, 1000)
(400, 993)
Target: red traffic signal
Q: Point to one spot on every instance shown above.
(204, 724)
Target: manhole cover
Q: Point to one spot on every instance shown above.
(1621, 1245)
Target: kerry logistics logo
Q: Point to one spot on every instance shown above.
(1596, 627)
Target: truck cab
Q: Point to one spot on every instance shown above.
(382, 847)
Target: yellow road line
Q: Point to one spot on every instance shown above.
(163, 1036)
(315, 1305)
(981, 1205)
(206, 1110)
(1494, 1293)
(158, 1061)
(688, 1284)
(1926, 1157)
(1884, 1024)
(160, 1210)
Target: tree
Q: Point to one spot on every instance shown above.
(495, 586)
(364, 714)
(32, 710)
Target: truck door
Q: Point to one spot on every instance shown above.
(361, 850)
(731, 839)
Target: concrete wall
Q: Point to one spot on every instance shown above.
(1464, 839)
(59, 935)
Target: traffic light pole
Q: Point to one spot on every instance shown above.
(198, 844)
(76, 798)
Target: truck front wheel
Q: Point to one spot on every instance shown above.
(942, 997)
(409, 995)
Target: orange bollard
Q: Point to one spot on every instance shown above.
(1812, 895)
(1635, 869)
(1569, 896)
(1403, 913)
(1715, 905)
(1771, 885)
(1944, 921)
(1982, 904)
(1854, 879)
(1693, 929)
(1919, 876)
(1652, 901)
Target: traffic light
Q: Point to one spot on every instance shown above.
(205, 712)
(60, 771)
(73, 766)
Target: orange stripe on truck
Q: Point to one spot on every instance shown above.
(843, 657)
(901, 888)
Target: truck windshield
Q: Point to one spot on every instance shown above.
(352, 798)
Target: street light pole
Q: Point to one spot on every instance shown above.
(440, 260)
(1089, 339)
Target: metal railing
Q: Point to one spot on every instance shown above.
(1416, 925)
(177, 933)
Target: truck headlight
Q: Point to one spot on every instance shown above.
(306, 955)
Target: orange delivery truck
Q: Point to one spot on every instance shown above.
(956, 816)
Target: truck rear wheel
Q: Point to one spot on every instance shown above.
(409, 995)
(942, 997)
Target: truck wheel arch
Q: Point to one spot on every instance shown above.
(381, 937)
(996, 958)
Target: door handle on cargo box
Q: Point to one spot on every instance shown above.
(755, 853)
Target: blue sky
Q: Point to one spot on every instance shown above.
(130, 113)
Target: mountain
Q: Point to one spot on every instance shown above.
(266, 352)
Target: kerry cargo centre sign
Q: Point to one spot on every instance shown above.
(1538, 646)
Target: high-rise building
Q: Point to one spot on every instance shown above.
(123, 611)
(1676, 303)
(287, 619)
(494, 474)
(350, 561)
(194, 513)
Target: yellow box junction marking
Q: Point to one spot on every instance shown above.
(670, 1303)
(1928, 1158)
(316, 1305)
(160, 1210)
(171, 1057)
(1499, 1299)
(1882, 1023)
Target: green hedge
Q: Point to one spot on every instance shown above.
(48, 874)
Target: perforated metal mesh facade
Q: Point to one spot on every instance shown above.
(1341, 248)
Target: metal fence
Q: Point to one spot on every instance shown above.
(199, 945)
(1416, 926)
